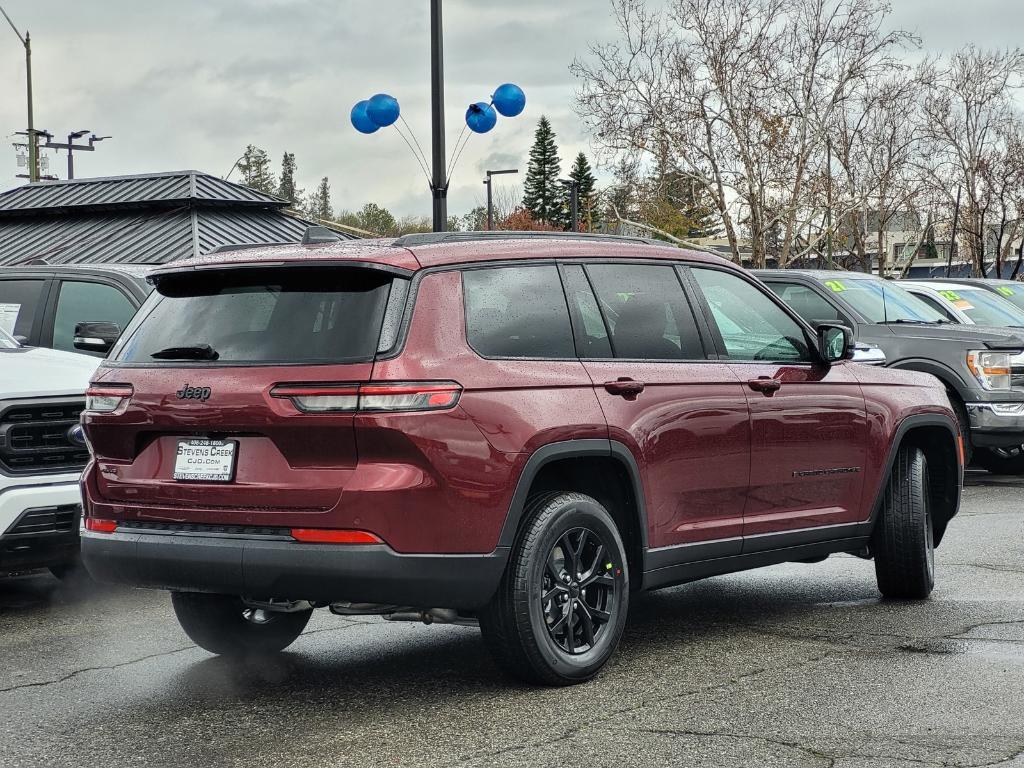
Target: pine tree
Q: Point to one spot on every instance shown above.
(286, 189)
(583, 175)
(320, 202)
(543, 195)
(255, 169)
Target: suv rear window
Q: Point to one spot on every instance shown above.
(294, 315)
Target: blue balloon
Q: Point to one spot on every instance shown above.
(509, 99)
(383, 109)
(360, 120)
(481, 117)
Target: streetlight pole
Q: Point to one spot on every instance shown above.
(439, 183)
(33, 147)
(71, 147)
(574, 203)
(490, 200)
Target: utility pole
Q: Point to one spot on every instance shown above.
(574, 203)
(33, 146)
(439, 183)
(490, 201)
(828, 205)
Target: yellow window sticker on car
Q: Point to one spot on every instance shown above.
(1006, 290)
(835, 286)
(951, 295)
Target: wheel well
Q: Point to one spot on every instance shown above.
(608, 481)
(940, 451)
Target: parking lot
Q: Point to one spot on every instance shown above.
(791, 665)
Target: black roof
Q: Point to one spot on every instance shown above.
(145, 219)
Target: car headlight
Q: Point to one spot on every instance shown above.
(993, 370)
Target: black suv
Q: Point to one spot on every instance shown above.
(981, 367)
(41, 304)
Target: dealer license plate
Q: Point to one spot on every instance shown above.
(205, 460)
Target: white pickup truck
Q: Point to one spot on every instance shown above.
(42, 453)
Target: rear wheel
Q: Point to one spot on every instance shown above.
(225, 625)
(561, 606)
(903, 541)
(1001, 461)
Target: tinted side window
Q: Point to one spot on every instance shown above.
(934, 304)
(806, 302)
(19, 302)
(517, 312)
(646, 312)
(82, 302)
(591, 332)
(752, 326)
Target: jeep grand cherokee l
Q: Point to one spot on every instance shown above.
(982, 368)
(511, 431)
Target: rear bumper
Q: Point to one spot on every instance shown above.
(275, 567)
(996, 425)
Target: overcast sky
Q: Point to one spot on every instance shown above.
(187, 84)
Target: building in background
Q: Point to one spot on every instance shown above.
(146, 219)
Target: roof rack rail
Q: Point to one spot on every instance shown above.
(431, 238)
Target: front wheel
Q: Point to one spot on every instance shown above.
(561, 606)
(225, 625)
(903, 541)
(1001, 461)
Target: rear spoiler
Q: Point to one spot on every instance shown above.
(156, 276)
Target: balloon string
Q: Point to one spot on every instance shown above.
(455, 161)
(417, 157)
(417, 142)
(456, 152)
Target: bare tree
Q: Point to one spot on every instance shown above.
(968, 108)
(743, 92)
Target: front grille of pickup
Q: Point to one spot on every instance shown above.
(35, 437)
(204, 528)
(41, 521)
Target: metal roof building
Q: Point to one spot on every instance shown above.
(149, 219)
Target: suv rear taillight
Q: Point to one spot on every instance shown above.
(105, 398)
(364, 398)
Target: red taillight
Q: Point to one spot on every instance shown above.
(334, 536)
(104, 398)
(397, 396)
(97, 525)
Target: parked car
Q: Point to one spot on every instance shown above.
(1011, 290)
(982, 368)
(515, 431)
(42, 453)
(968, 305)
(41, 304)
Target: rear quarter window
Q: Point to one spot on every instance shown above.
(517, 312)
(293, 315)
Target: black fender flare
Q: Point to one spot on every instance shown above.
(941, 371)
(572, 449)
(905, 426)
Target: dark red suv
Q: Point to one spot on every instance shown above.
(507, 430)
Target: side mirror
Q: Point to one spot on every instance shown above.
(835, 343)
(97, 338)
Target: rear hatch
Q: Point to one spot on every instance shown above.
(196, 432)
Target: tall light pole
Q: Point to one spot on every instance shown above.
(33, 146)
(71, 147)
(574, 203)
(439, 182)
(490, 199)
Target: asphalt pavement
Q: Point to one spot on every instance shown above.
(796, 665)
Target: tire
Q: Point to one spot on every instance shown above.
(903, 541)
(1001, 461)
(222, 624)
(560, 640)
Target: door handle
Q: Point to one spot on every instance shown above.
(625, 386)
(766, 385)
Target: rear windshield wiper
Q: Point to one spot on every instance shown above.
(195, 352)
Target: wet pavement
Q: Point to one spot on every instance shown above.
(796, 665)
